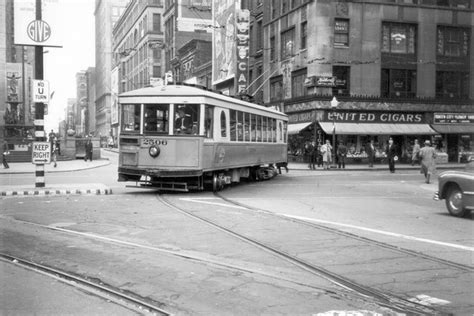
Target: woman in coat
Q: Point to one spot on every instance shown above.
(326, 151)
(427, 155)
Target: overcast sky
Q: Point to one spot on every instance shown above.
(77, 53)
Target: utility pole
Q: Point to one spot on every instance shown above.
(39, 107)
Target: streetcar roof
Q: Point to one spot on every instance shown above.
(190, 91)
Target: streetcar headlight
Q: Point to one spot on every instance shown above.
(154, 151)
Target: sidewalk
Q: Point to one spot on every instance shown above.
(18, 168)
(376, 167)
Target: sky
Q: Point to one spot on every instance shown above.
(77, 53)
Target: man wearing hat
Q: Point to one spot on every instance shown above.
(428, 164)
(183, 123)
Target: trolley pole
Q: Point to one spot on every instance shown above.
(39, 107)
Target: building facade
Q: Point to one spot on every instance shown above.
(106, 14)
(195, 59)
(401, 69)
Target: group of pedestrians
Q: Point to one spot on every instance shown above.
(322, 155)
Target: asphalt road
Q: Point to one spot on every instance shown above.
(134, 242)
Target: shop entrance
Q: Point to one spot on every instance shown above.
(452, 145)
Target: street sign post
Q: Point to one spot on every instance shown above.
(40, 91)
(41, 153)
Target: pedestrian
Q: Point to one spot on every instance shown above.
(5, 153)
(391, 151)
(341, 155)
(326, 151)
(415, 152)
(428, 163)
(370, 150)
(88, 148)
(58, 145)
(54, 155)
(319, 156)
(312, 155)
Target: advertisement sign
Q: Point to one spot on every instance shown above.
(33, 32)
(41, 153)
(242, 29)
(453, 118)
(114, 87)
(374, 117)
(223, 41)
(13, 87)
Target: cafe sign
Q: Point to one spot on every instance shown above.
(375, 117)
(453, 118)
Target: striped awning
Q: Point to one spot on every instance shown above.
(377, 129)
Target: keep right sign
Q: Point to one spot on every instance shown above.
(41, 153)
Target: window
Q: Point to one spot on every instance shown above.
(240, 126)
(156, 22)
(398, 38)
(156, 55)
(156, 118)
(247, 127)
(131, 118)
(284, 6)
(452, 84)
(272, 48)
(186, 119)
(342, 80)
(295, 3)
(274, 9)
(398, 83)
(233, 125)
(209, 121)
(453, 41)
(223, 125)
(156, 71)
(304, 34)
(287, 43)
(276, 88)
(297, 83)
(341, 32)
(259, 44)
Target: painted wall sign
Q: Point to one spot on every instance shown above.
(453, 118)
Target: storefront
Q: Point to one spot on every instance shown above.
(456, 135)
(356, 128)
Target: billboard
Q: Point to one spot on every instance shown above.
(33, 32)
(224, 44)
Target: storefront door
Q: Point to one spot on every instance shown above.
(452, 147)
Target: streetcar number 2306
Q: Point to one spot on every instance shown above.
(149, 142)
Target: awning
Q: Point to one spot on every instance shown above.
(296, 128)
(454, 128)
(377, 129)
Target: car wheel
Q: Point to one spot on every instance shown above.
(454, 202)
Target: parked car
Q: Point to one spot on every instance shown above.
(457, 189)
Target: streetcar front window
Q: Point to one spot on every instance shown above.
(131, 118)
(187, 119)
(156, 119)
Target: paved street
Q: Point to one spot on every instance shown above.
(135, 241)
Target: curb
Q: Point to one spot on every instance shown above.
(103, 190)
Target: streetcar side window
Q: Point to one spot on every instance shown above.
(156, 118)
(274, 130)
(247, 126)
(240, 126)
(265, 128)
(131, 117)
(259, 128)
(223, 125)
(233, 125)
(253, 127)
(209, 121)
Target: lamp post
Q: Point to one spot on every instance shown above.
(334, 104)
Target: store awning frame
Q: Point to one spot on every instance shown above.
(377, 129)
(297, 127)
(453, 128)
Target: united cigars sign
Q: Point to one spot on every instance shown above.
(242, 26)
(375, 117)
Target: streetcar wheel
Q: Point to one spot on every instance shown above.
(215, 183)
(454, 202)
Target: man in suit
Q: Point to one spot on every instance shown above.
(391, 151)
(370, 150)
(183, 124)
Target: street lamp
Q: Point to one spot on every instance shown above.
(334, 104)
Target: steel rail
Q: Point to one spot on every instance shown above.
(80, 282)
(388, 300)
(413, 253)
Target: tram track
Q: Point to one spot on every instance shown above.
(129, 300)
(339, 232)
(384, 299)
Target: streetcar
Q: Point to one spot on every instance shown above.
(182, 138)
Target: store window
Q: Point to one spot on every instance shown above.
(452, 84)
(453, 41)
(342, 80)
(276, 88)
(298, 88)
(398, 38)
(341, 32)
(398, 83)
(287, 43)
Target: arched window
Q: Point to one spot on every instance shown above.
(223, 125)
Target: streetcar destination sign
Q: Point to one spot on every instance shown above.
(41, 153)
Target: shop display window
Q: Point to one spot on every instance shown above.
(466, 147)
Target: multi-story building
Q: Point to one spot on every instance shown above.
(89, 123)
(196, 63)
(401, 69)
(106, 14)
(16, 108)
(82, 103)
(184, 21)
